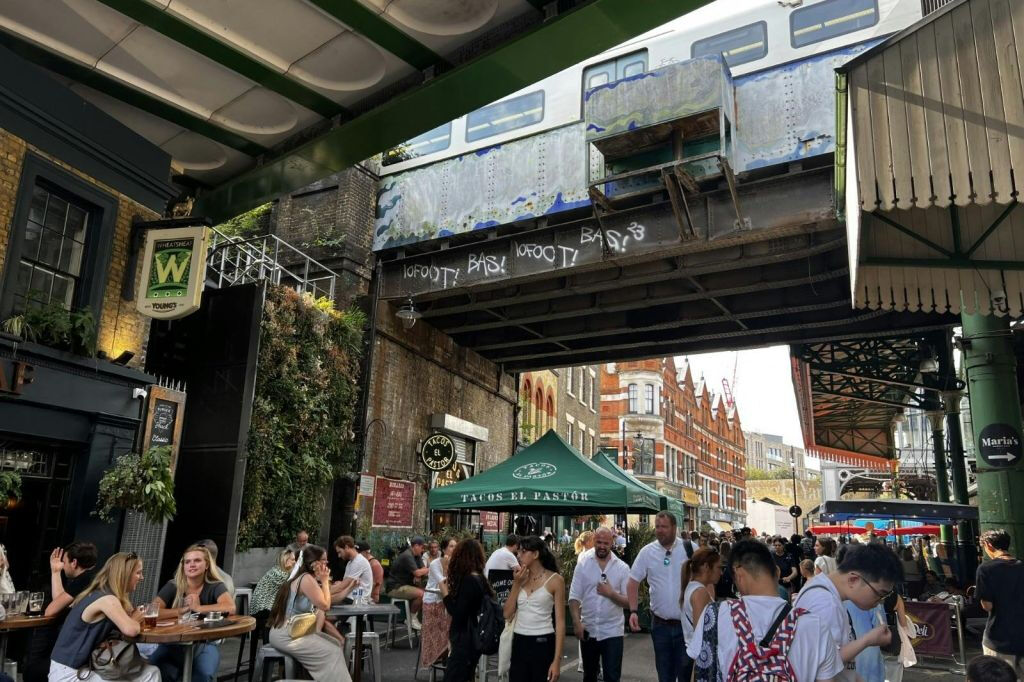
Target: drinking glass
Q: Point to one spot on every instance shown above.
(35, 603)
(149, 615)
(22, 602)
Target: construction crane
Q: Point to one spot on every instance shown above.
(729, 386)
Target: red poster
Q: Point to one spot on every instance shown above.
(489, 521)
(931, 628)
(393, 503)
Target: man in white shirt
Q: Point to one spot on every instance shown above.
(660, 563)
(504, 558)
(358, 574)
(866, 577)
(812, 653)
(596, 599)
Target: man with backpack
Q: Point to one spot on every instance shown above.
(866, 576)
(758, 636)
(660, 563)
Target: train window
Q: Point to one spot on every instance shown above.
(502, 117)
(829, 19)
(738, 46)
(429, 142)
(614, 69)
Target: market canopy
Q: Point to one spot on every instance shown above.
(549, 476)
(665, 503)
(934, 512)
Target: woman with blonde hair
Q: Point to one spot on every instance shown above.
(268, 585)
(196, 587)
(584, 543)
(100, 609)
(308, 589)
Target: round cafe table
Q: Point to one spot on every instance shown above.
(188, 635)
(19, 622)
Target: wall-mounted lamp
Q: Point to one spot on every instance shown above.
(124, 358)
(408, 314)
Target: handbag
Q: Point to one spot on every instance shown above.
(6, 583)
(505, 648)
(301, 624)
(907, 656)
(114, 659)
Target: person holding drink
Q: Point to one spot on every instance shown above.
(196, 588)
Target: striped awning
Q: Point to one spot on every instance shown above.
(932, 162)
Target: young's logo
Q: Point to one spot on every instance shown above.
(534, 470)
(168, 278)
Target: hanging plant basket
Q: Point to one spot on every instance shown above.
(10, 487)
(138, 483)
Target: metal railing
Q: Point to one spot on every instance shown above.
(929, 6)
(232, 261)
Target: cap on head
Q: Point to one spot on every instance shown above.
(362, 546)
(417, 540)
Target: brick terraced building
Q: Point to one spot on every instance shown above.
(677, 436)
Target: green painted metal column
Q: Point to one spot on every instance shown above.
(966, 541)
(941, 472)
(996, 417)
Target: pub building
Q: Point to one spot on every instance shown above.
(72, 180)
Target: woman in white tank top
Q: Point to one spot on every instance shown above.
(700, 575)
(537, 602)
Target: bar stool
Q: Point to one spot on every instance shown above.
(371, 650)
(393, 624)
(268, 654)
(242, 597)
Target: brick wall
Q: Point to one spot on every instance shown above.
(120, 326)
(419, 372)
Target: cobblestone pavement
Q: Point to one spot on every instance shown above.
(637, 664)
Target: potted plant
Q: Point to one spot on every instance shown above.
(53, 325)
(10, 487)
(138, 483)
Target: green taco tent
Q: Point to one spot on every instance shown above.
(549, 476)
(665, 503)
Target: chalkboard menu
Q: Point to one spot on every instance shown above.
(393, 503)
(165, 414)
(501, 581)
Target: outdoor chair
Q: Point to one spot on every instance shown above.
(267, 656)
(371, 652)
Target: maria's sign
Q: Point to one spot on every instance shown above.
(999, 445)
(173, 272)
(438, 452)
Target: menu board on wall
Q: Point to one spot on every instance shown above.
(393, 503)
(489, 521)
(165, 415)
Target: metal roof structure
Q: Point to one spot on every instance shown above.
(253, 98)
(931, 166)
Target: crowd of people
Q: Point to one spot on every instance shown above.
(728, 606)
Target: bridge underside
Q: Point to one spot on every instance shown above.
(767, 265)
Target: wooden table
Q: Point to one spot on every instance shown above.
(359, 612)
(188, 635)
(19, 622)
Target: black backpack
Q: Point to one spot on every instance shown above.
(489, 624)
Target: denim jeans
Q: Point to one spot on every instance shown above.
(669, 652)
(608, 652)
(170, 658)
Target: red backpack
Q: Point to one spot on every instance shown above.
(767, 660)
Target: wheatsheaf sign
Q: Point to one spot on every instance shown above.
(173, 272)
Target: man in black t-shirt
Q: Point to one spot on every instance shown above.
(402, 575)
(1000, 588)
(787, 569)
(68, 568)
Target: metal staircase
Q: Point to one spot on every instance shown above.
(232, 261)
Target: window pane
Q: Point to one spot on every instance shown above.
(56, 213)
(63, 290)
(75, 226)
(633, 68)
(71, 257)
(49, 248)
(738, 46)
(37, 208)
(39, 288)
(505, 116)
(831, 18)
(30, 244)
(429, 142)
(597, 79)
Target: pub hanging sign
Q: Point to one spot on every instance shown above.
(173, 272)
(438, 452)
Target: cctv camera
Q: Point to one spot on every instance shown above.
(139, 393)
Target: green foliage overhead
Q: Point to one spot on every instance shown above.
(248, 224)
(773, 475)
(301, 436)
(141, 483)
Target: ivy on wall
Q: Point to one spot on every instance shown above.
(304, 406)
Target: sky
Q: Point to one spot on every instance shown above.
(763, 390)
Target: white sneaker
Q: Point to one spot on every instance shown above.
(415, 623)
